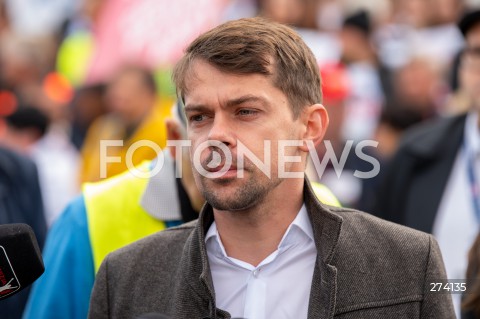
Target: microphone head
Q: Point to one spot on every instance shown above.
(21, 262)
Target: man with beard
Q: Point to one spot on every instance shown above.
(264, 246)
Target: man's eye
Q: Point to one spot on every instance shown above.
(197, 118)
(247, 112)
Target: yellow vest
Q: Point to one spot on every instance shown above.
(325, 195)
(114, 214)
(116, 218)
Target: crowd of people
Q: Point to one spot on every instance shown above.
(83, 82)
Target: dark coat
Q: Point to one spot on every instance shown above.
(20, 202)
(418, 174)
(366, 268)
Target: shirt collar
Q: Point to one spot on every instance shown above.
(302, 223)
(297, 232)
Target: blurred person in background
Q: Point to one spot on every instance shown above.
(299, 13)
(26, 132)
(423, 28)
(336, 89)
(24, 62)
(134, 115)
(58, 163)
(237, 9)
(77, 42)
(25, 69)
(108, 215)
(20, 194)
(363, 107)
(433, 181)
(302, 15)
(87, 105)
(394, 121)
(23, 129)
(39, 18)
(417, 84)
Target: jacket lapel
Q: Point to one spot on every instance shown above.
(195, 295)
(326, 230)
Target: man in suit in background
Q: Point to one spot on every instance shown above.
(433, 183)
(264, 246)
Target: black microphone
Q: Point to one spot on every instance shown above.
(21, 262)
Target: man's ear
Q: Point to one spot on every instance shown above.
(315, 118)
(174, 133)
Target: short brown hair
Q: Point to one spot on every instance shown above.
(257, 45)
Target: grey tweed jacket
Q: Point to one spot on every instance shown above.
(366, 268)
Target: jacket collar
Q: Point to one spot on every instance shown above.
(157, 198)
(427, 141)
(326, 230)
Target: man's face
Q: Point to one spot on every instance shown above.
(127, 94)
(234, 109)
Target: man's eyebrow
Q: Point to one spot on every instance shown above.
(194, 108)
(244, 99)
(230, 103)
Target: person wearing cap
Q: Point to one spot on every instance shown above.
(263, 245)
(434, 177)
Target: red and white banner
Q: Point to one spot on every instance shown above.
(151, 33)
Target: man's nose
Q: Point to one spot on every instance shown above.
(222, 131)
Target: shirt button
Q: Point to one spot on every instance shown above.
(255, 273)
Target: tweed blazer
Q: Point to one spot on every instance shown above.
(366, 268)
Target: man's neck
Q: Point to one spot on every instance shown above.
(252, 235)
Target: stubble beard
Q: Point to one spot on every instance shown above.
(248, 194)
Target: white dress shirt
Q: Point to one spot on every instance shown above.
(279, 287)
(456, 225)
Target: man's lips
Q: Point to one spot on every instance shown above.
(221, 167)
